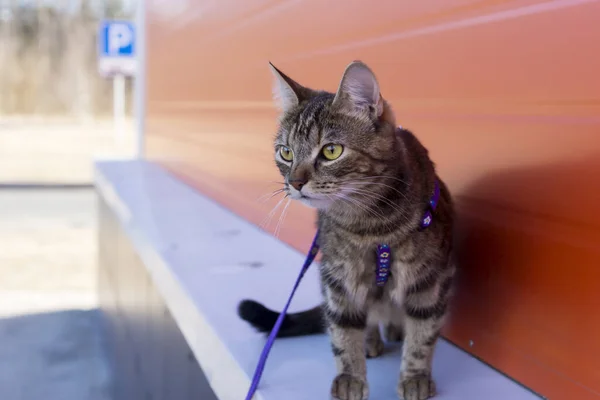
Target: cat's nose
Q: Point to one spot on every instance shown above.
(298, 184)
(299, 177)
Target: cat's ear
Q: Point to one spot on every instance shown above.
(359, 90)
(287, 92)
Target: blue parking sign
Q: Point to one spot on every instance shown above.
(117, 39)
(117, 48)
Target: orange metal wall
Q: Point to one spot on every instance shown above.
(506, 95)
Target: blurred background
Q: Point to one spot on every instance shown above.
(56, 117)
(55, 108)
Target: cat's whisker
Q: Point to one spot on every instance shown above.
(268, 196)
(382, 177)
(374, 196)
(364, 184)
(353, 202)
(267, 220)
(362, 206)
(400, 210)
(282, 218)
(369, 195)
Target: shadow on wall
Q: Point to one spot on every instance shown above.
(528, 253)
(55, 355)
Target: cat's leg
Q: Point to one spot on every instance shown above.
(394, 328)
(348, 343)
(425, 312)
(375, 344)
(346, 327)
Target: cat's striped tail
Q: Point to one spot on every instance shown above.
(302, 323)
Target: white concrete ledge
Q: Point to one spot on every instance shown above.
(203, 260)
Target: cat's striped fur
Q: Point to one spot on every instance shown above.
(376, 192)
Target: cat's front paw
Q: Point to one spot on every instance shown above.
(348, 387)
(417, 388)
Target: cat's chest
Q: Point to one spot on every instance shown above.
(364, 274)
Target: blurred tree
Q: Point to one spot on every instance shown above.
(48, 57)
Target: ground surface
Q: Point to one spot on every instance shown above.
(47, 250)
(49, 327)
(55, 150)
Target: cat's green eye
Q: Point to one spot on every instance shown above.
(286, 153)
(333, 151)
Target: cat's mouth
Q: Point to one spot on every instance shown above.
(310, 199)
(303, 196)
(315, 202)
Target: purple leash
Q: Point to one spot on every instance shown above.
(312, 253)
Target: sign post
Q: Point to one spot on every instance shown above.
(117, 60)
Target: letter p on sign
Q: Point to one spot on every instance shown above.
(119, 37)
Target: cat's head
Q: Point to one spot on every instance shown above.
(333, 148)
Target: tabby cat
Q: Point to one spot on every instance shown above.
(371, 183)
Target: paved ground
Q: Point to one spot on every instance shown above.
(50, 343)
(49, 333)
(48, 249)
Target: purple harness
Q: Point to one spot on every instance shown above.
(384, 254)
